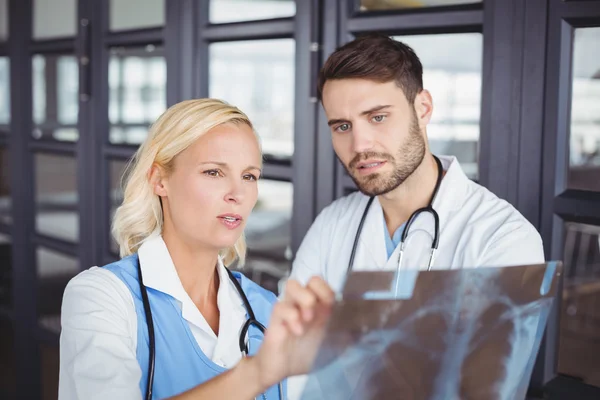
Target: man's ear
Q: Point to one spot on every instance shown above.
(157, 180)
(423, 107)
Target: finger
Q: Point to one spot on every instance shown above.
(302, 297)
(288, 315)
(321, 290)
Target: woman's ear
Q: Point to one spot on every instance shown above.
(157, 180)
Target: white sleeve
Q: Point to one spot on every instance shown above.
(517, 243)
(310, 258)
(98, 339)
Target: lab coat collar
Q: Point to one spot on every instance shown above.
(159, 273)
(454, 186)
(450, 196)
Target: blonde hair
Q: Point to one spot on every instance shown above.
(140, 216)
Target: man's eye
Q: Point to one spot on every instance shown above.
(378, 118)
(343, 128)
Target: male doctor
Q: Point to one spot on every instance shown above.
(372, 93)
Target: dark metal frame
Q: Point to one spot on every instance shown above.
(27, 369)
(558, 203)
(522, 63)
(92, 152)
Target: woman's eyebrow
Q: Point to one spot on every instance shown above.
(219, 163)
(225, 165)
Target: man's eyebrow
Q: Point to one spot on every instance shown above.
(366, 112)
(336, 121)
(375, 109)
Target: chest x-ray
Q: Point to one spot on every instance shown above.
(438, 335)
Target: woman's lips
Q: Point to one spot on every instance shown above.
(231, 221)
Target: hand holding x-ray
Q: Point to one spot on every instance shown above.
(295, 331)
(451, 334)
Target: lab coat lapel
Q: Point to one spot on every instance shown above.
(371, 253)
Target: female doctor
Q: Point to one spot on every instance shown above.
(169, 320)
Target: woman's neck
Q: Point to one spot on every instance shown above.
(197, 271)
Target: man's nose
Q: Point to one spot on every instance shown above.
(362, 140)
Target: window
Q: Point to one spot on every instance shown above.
(5, 272)
(4, 94)
(5, 199)
(579, 328)
(247, 10)
(54, 18)
(54, 271)
(452, 73)
(3, 20)
(268, 229)
(373, 5)
(56, 197)
(55, 97)
(584, 172)
(116, 171)
(268, 234)
(136, 14)
(258, 77)
(137, 81)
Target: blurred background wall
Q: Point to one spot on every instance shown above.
(516, 90)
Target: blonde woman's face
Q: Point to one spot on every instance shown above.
(212, 188)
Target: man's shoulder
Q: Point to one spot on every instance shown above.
(487, 207)
(506, 236)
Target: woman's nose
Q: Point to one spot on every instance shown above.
(235, 194)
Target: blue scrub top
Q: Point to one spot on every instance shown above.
(392, 242)
(180, 364)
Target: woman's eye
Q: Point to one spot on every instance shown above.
(343, 128)
(213, 172)
(250, 177)
(378, 118)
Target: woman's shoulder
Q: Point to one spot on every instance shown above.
(97, 302)
(126, 266)
(98, 288)
(99, 325)
(98, 282)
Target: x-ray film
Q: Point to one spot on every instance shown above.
(437, 335)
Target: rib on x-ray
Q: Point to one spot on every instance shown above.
(445, 335)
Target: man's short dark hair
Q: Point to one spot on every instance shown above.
(378, 58)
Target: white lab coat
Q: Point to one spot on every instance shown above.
(476, 229)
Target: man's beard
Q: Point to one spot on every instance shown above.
(408, 158)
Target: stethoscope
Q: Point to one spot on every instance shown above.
(244, 349)
(414, 215)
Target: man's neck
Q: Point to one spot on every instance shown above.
(414, 193)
